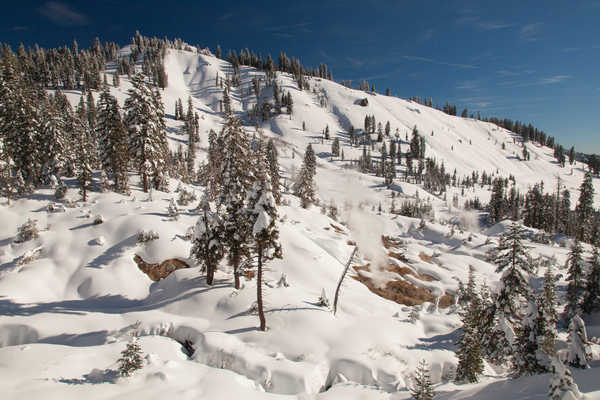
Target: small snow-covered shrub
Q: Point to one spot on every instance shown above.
(27, 231)
(98, 219)
(186, 197)
(99, 241)
(131, 359)
(253, 310)
(189, 233)
(173, 210)
(60, 191)
(147, 236)
(323, 300)
(30, 256)
(54, 208)
(413, 315)
(283, 281)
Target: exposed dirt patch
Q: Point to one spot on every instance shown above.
(397, 256)
(337, 228)
(425, 257)
(390, 242)
(160, 271)
(403, 291)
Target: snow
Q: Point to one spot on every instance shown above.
(66, 316)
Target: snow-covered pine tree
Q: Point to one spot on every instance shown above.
(562, 386)
(335, 147)
(208, 239)
(236, 179)
(469, 353)
(146, 132)
(585, 208)
(525, 358)
(546, 319)
(513, 262)
(579, 353)
(591, 298)
(575, 279)
(422, 388)
(173, 210)
(304, 186)
(273, 164)
(112, 141)
(265, 235)
(213, 168)
(84, 155)
(131, 358)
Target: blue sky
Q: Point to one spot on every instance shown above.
(536, 61)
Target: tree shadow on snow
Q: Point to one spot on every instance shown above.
(95, 377)
(113, 252)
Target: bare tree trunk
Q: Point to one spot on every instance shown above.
(339, 285)
(236, 270)
(261, 312)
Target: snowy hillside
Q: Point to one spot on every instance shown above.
(68, 312)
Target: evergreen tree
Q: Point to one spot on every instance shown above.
(85, 154)
(236, 179)
(513, 262)
(469, 353)
(335, 147)
(422, 387)
(591, 298)
(131, 359)
(265, 235)
(112, 141)
(146, 132)
(525, 359)
(579, 352)
(304, 186)
(208, 239)
(575, 278)
(547, 317)
(562, 385)
(273, 164)
(585, 208)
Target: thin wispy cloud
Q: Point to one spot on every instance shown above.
(531, 32)
(470, 19)
(19, 28)
(571, 49)
(425, 36)
(468, 85)
(554, 79)
(302, 27)
(492, 26)
(62, 14)
(431, 61)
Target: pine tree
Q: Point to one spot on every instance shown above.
(131, 359)
(422, 387)
(585, 208)
(469, 353)
(236, 179)
(335, 147)
(525, 359)
(273, 164)
(265, 234)
(146, 133)
(112, 141)
(215, 156)
(304, 186)
(579, 353)
(84, 154)
(575, 278)
(513, 262)
(208, 239)
(562, 386)
(591, 298)
(547, 317)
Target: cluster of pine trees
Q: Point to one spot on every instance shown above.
(517, 326)
(550, 212)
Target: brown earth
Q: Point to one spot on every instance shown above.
(160, 271)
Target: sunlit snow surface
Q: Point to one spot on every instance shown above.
(65, 318)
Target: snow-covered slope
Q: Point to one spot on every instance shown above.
(65, 317)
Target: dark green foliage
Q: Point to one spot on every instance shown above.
(422, 388)
(131, 359)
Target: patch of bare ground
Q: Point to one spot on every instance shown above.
(160, 271)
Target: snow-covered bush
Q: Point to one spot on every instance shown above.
(413, 315)
(131, 359)
(186, 197)
(189, 233)
(27, 231)
(54, 208)
(98, 219)
(323, 300)
(562, 385)
(104, 184)
(579, 352)
(30, 256)
(283, 281)
(61, 190)
(147, 236)
(173, 210)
